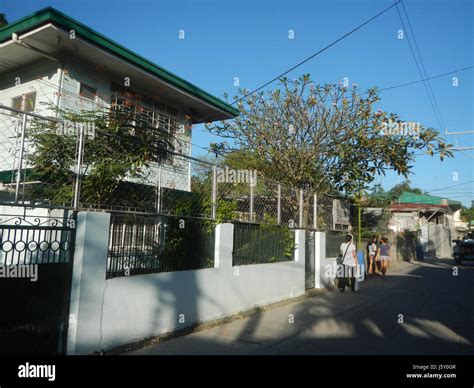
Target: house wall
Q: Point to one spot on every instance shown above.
(61, 88)
(108, 313)
(456, 224)
(73, 76)
(41, 78)
(436, 240)
(174, 175)
(403, 220)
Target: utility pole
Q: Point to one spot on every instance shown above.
(359, 220)
(359, 227)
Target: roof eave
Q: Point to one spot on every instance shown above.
(50, 14)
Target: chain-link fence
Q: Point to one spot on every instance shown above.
(134, 169)
(33, 170)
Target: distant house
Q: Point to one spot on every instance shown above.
(50, 58)
(412, 210)
(435, 219)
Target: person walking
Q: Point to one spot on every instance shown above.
(371, 254)
(349, 262)
(384, 256)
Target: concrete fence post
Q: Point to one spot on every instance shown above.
(224, 246)
(88, 282)
(300, 236)
(320, 255)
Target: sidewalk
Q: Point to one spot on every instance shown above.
(283, 329)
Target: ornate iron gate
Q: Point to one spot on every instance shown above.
(36, 256)
(309, 259)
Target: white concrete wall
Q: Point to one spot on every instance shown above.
(108, 313)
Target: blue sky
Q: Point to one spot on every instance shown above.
(249, 39)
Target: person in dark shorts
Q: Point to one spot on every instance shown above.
(384, 256)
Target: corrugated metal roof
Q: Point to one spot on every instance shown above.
(424, 199)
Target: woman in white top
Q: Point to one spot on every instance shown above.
(372, 254)
(349, 264)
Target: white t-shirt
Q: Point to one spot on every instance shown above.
(349, 258)
(372, 249)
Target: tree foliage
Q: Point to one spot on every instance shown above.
(378, 197)
(118, 149)
(467, 215)
(321, 137)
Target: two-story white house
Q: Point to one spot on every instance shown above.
(49, 59)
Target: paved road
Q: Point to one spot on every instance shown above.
(437, 309)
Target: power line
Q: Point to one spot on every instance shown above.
(463, 152)
(449, 187)
(448, 193)
(461, 196)
(420, 66)
(311, 56)
(429, 78)
(292, 68)
(458, 190)
(8, 66)
(75, 95)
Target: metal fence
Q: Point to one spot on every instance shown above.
(38, 236)
(20, 177)
(141, 244)
(260, 244)
(36, 253)
(49, 162)
(334, 239)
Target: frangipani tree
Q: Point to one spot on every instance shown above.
(321, 137)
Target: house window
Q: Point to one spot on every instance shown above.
(25, 102)
(146, 113)
(88, 92)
